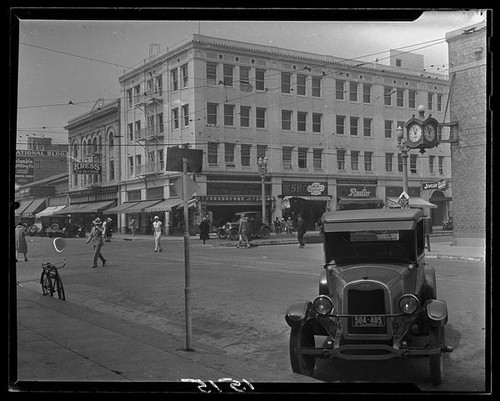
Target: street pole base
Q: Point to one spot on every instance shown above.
(187, 349)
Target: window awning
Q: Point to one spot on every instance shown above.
(22, 207)
(120, 208)
(34, 207)
(92, 207)
(168, 204)
(140, 206)
(414, 202)
(49, 211)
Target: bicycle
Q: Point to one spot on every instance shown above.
(51, 280)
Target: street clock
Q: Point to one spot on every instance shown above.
(430, 132)
(421, 134)
(414, 132)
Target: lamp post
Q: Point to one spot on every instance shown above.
(262, 162)
(403, 148)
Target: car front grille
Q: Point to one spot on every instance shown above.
(365, 304)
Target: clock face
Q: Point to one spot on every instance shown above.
(430, 132)
(414, 133)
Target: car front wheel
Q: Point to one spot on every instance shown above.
(302, 336)
(436, 362)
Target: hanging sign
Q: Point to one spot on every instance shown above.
(441, 184)
(86, 168)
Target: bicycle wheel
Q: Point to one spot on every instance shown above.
(60, 288)
(46, 283)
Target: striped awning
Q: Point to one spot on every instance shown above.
(92, 207)
(140, 206)
(234, 198)
(168, 204)
(34, 207)
(120, 208)
(22, 207)
(49, 211)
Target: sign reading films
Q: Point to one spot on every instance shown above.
(25, 170)
(86, 168)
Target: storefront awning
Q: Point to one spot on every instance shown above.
(35, 206)
(168, 204)
(49, 211)
(120, 208)
(344, 200)
(140, 206)
(234, 198)
(309, 198)
(414, 202)
(92, 207)
(22, 207)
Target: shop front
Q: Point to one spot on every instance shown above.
(352, 195)
(308, 198)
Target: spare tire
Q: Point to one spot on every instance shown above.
(54, 227)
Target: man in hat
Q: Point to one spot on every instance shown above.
(107, 230)
(157, 230)
(96, 238)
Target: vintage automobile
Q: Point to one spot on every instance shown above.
(258, 229)
(377, 295)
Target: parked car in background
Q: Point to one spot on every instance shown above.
(377, 295)
(258, 229)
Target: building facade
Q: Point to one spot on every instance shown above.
(467, 49)
(326, 126)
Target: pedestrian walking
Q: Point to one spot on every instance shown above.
(21, 244)
(97, 242)
(301, 230)
(204, 229)
(131, 224)
(244, 232)
(107, 229)
(289, 226)
(157, 231)
(277, 225)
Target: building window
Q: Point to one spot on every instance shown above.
(159, 85)
(301, 121)
(286, 82)
(286, 120)
(260, 117)
(354, 126)
(413, 164)
(430, 97)
(367, 127)
(302, 157)
(412, 99)
(212, 113)
(229, 114)
(229, 154)
(353, 91)
(174, 76)
(130, 131)
(387, 96)
(317, 159)
(134, 195)
(184, 75)
(261, 151)
(131, 165)
(368, 161)
(245, 155)
(400, 97)
(138, 128)
(137, 93)
(316, 122)
(159, 119)
(354, 160)
(228, 74)
(301, 84)
(431, 164)
(339, 90)
(440, 164)
(260, 79)
(213, 149)
(185, 115)
(340, 120)
(244, 75)
(161, 160)
(245, 116)
(367, 93)
(130, 100)
(211, 73)
(341, 159)
(388, 161)
(439, 104)
(175, 118)
(399, 62)
(388, 128)
(400, 163)
(316, 86)
(111, 170)
(287, 157)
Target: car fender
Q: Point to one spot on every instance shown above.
(297, 312)
(436, 312)
(323, 283)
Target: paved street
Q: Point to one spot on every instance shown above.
(135, 309)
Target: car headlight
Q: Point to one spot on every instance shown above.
(323, 305)
(408, 304)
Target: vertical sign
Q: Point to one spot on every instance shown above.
(25, 172)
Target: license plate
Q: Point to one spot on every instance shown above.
(368, 321)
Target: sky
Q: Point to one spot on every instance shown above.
(71, 61)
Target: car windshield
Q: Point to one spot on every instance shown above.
(369, 246)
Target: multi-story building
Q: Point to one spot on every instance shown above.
(326, 126)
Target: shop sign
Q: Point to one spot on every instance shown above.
(441, 184)
(98, 190)
(295, 188)
(44, 153)
(25, 172)
(357, 191)
(86, 168)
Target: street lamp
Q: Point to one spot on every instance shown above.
(403, 148)
(262, 162)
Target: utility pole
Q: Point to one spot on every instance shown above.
(263, 171)
(187, 263)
